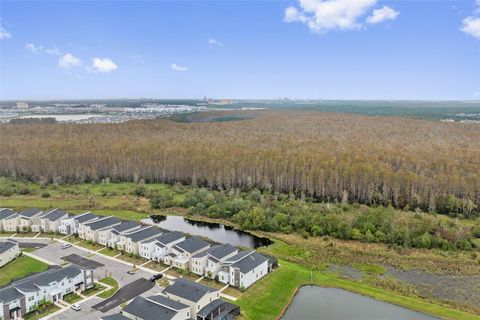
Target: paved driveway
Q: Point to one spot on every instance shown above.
(82, 261)
(125, 293)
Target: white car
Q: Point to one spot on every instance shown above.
(66, 245)
(76, 307)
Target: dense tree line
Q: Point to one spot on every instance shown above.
(341, 158)
(287, 214)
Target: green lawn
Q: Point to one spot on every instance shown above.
(71, 298)
(93, 290)
(109, 252)
(90, 246)
(108, 293)
(268, 297)
(41, 312)
(19, 268)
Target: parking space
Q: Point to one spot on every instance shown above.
(86, 312)
(82, 261)
(33, 245)
(125, 293)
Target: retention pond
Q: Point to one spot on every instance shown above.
(318, 303)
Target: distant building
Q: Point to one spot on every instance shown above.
(22, 105)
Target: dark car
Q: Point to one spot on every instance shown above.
(155, 277)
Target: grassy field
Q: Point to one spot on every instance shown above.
(19, 268)
(268, 297)
(110, 292)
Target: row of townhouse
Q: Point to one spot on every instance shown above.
(224, 262)
(34, 220)
(182, 300)
(23, 296)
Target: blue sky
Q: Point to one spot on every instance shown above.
(357, 49)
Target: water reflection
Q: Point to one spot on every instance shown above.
(215, 231)
(317, 303)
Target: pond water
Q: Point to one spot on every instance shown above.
(317, 303)
(214, 231)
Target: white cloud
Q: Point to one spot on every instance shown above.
(324, 15)
(4, 34)
(103, 65)
(176, 67)
(383, 14)
(471, 26)
(69, 61)
(53, 51)
(40, 49)
(33, 48)
(215, 42)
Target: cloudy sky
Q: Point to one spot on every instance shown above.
(332, 49)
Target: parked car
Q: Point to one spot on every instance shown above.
(66, 245)
(155, 277)
(76, 307)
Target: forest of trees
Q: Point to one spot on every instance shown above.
(285, 213)
(403, 162)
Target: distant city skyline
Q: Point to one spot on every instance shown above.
(299, 49)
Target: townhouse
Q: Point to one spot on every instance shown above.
(50, 221)
(9, 250)
(71, 225)
(182, 252)
(23, 296)
(130, 242)
(244, 269)
(108, 236)
(156, 308)
(27, 217)
(90, 231)
(208, 263)
(157, 248)
(8, 220)
(204, 301)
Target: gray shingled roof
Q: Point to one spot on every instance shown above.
(164, 301)
(30, 284)
(238, 256)
(215, 305)
(126, 225)
(5, 213)
(188, 290)
(7, 245)
(116, 316)
(30, 212)
(148, 310)
(103, 223)
(85, 217)
(144, 234)
(192, 244)
(222, 250)
(54, 215)
(250, 262)
(169, 237)
(9, 294)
